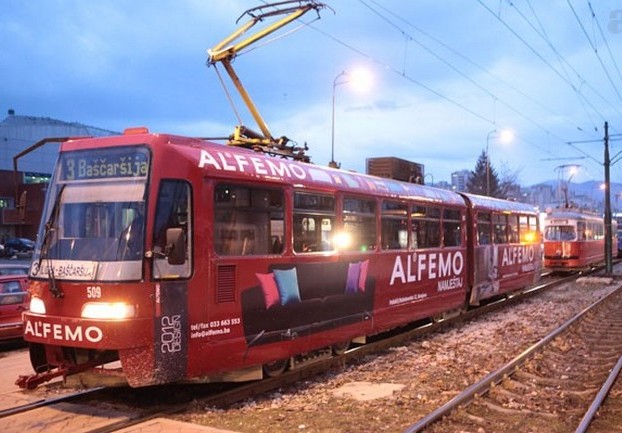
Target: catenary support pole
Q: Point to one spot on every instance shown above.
(608, 234)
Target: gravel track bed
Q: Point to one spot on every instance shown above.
(390, 391)
(553, 389)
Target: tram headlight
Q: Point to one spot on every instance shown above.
(108, 310)
(37, 306)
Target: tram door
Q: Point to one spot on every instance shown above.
(171, 269)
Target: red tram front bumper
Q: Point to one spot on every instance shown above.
(88, 333)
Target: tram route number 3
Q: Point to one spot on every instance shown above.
(170, 334)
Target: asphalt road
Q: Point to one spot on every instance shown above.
(25, 261)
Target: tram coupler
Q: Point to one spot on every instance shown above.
(34, 380)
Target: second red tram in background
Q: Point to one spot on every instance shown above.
(192, 261)
(575, 240)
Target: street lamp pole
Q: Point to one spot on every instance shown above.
(431, 177)
(494, 131)
(336, 82)
(505, 135)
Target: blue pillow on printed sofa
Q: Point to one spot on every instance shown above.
(287, 283)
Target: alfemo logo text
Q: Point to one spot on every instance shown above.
(60, 332)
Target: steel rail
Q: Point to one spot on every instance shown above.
(481, 387)
(600, 397)
(48, 402)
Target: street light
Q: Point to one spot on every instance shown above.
(505, 135)
(431, 177)
(361, 79)
(564, 184)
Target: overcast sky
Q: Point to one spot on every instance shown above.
(446, 74)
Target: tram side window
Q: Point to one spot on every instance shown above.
(534, 224)
(525, 232)
(394, 223)
(484, 224)
(173, 211)
(599, 231)
(314, 222)
(513, 235)
(425, 227)
(499, 223)
(359, 223)
(584, 232)
(248, 220)
(528, 226)
(452, 230)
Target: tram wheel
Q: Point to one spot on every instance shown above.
(340, 348)
(276, 368)
(38, 359)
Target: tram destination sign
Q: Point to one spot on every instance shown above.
(104, 163)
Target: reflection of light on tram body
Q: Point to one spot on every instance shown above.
(529, 237)
(342, 240)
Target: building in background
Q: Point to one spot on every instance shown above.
(396, 168)
(443, 184)
(459, 180)
(22, 193)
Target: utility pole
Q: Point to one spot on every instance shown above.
(608, 234)
(607, 217)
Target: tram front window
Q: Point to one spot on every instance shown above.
(88, 225)
(560, 233)
(93, 221)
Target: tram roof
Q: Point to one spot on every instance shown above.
(576, 214)
(480, 202)
(243, 164)
(240, 164)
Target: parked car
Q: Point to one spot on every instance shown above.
(14, 300)
(18, 245)
(13, 269)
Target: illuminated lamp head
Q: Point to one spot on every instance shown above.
(108, 310)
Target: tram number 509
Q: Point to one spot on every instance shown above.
(170, 336)
(93, 292)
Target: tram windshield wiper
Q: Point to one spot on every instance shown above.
(50, 229)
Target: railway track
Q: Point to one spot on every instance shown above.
(552, 386)
(111, 420)
(48, 402)
(608, 411)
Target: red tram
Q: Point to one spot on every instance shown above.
(575, 240)
(192, 261)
